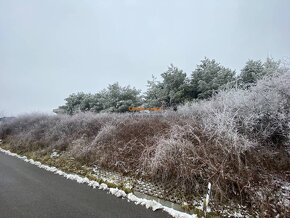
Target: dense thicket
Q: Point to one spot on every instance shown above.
(175, 87)
(238, 140)
(113, 99)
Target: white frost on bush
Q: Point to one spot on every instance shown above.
(242, 116)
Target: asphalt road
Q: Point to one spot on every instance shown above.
(28, 191)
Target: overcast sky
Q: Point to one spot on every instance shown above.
(52, 48)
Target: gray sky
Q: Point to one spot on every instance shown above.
(52, 48)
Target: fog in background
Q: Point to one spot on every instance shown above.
(52, 48)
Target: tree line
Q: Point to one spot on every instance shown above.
(175, 87)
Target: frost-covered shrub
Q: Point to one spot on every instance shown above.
(226, 140)
(175, 155)
(269, 109)
(190, 156)
(70, 128)
(120, 145)
(27, 131)
(46, 131)
(247, 117)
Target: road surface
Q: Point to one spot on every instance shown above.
(28, 191)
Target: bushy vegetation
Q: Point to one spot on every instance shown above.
(113, 99)
(238, 140)
(208, 78)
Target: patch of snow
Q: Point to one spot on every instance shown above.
(237, 214)
(54, 154)
(119, 193)
(241, 212)
(103, 186)
(155, 206)
(147, 203)
(128, 185)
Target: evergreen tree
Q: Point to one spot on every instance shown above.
(208, 77)
(252, 72)
(271, 66)
(113, 99)
(172, 90)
